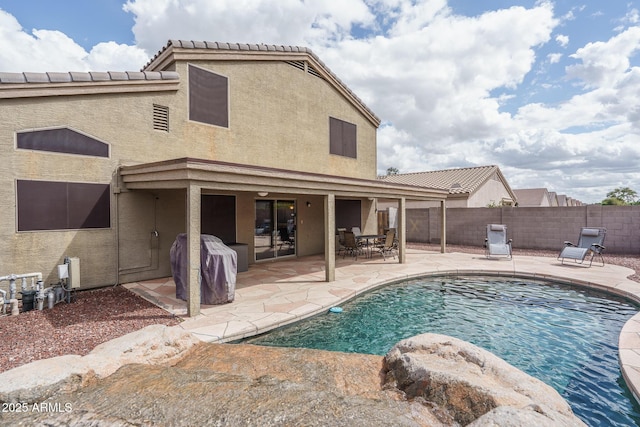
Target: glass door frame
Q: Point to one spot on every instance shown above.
(275, 228)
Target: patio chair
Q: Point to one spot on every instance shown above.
(388, 247)
(341, 239)
(590, 242)
(496, 242)
(350, 244)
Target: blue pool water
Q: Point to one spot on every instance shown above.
(565, 336)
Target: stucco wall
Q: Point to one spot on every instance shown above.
(530, 228)
(491, 192)
(279, 117)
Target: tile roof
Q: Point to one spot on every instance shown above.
(532, 197)
(191, 44)
(457, 181)
(91, 76)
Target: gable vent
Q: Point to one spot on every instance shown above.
(298, 64)
(161, 118)
(301, 66)
(314, 72)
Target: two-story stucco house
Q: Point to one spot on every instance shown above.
(239, 141)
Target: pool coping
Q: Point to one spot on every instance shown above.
(276, 294)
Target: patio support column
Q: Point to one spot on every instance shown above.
(193, 253)
(330, 237)
(443, 225)
(402, 230)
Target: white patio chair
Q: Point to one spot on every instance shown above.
(496, 242)
(590, 242)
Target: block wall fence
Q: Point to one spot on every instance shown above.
(530, 228)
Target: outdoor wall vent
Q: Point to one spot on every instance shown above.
(298, 64)
(304, 66)
(161, 118)
(314, 72)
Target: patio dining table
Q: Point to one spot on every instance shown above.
(367, 238)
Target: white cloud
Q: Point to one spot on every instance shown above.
(563, 40)
(291, 22)
(603, 63)
(111, 56)
(46, 50)
(554, 58)
(632, 17)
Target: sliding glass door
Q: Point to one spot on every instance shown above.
(275, 231)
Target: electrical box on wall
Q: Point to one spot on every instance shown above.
(74, 272)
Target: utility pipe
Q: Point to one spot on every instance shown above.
(49, 294)
(12, 281)
(2, 299)
(20, 276)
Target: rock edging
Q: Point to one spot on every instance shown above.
(36, 381)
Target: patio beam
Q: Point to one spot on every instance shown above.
(402, 230)
(443, 230)
(193, 254)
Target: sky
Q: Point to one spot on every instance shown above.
(547, 90)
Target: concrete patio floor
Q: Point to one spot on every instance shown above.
(274, 294)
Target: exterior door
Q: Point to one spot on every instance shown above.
(275, 231)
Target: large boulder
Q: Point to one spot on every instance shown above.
(471, 385)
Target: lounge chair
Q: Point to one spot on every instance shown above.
(590, 242)
(496, 242)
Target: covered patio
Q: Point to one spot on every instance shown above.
(197, 177)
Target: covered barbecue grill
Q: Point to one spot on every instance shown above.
(218, 269)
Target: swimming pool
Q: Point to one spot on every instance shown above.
(565, 336)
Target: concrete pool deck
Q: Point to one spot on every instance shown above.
(274, 294)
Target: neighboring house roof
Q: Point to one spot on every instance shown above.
(297, 56)
(533, 197)
(456, 181)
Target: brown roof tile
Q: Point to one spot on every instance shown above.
(75, 76)
(457, 181)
